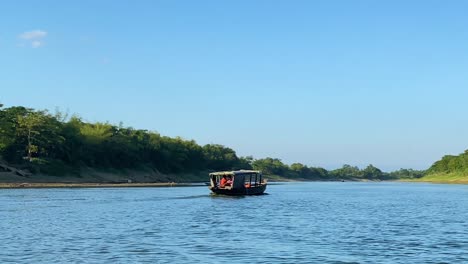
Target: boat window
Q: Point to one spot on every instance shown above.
(252, 179)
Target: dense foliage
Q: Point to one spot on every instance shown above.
(450, 164)
(299, 171)
(43, 141)
(43, 138)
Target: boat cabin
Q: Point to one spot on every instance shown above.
(242, 182)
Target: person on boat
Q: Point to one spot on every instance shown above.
(222, 182)
(225, 182)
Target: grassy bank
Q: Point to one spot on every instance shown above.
(453, 177)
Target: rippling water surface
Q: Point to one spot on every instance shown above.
(295, 223)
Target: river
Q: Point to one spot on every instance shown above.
(315, 222)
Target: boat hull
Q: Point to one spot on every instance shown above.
(256, 190)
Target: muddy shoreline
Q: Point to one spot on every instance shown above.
(93, 185)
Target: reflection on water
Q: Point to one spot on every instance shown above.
(296, 223)
(193, 196)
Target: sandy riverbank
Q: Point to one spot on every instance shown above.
(90, 177)
(94, 185)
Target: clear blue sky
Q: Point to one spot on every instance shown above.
(324, 83)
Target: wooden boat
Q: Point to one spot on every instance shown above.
(242, 182)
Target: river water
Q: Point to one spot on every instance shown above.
(295, 223)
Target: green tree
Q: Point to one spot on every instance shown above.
(219, 157)
(347, 171)
(244, 163)
(371, 172)
(11, 145)
(270, 166)
(406, 174)
(29, 126)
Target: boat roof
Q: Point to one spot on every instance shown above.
(233, 173)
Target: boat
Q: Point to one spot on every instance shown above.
(241, 182)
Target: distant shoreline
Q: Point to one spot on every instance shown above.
(35, 185)
(40, 185)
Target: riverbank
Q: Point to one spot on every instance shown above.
(144, 176)
(86, 175)
(93, 185)
(449, 178)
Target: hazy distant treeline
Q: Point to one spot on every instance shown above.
(298, 170)
(55, 143)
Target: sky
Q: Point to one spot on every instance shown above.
(324, 83)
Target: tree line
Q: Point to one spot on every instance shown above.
(55, 143)
(450, 163)
(347, 172)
